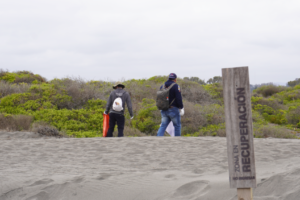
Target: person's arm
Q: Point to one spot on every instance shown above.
(108, 104)
(178, 97)
(129, 105)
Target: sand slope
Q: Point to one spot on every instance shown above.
(34, 168)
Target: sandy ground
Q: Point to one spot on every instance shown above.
(147, 168)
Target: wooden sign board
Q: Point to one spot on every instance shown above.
(239, 130)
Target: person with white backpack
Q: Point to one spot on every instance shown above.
(115, 107)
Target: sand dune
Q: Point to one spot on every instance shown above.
(147, 168)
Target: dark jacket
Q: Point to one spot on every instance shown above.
(125, 100)
(174, 93)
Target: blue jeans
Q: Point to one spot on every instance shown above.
(172, 114)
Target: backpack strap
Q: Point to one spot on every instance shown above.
(172, 101)
(170, 89)
(171, 85)
(164, 86)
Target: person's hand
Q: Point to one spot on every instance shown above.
(181, 112)
(131, 117)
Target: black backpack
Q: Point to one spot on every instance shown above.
(162, 98)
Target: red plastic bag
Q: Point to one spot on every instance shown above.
(105, 124)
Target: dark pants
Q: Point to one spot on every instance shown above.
(113, 118)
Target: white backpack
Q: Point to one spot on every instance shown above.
(118, 104)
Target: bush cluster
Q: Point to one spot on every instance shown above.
(15, 122)
(75, 106)
(269, 130)
(44, 129)
(7, 88)
(21, 77)
(269, 90)
(281, 106)
(294, 83)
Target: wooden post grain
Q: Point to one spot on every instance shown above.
(239, 131)
(244, 194)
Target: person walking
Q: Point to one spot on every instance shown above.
(115, 107)
(175, 110)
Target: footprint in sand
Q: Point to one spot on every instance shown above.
(78, 179)
(42, 195)
(192, 189)
(43, 181)
(103, 177)
(170, 176)
(198, 171)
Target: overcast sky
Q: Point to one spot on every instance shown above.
(116, 39)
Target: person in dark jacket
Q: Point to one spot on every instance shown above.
(118, 116)
(175, 111)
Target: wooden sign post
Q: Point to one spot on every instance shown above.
(239, 131)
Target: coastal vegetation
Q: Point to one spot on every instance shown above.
(74, 107)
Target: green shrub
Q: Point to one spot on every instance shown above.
(294, 83)
(21, 77)
(94, 104)
(293, 115)
(215, 79)
(289, 95)
(72, 120)
(148, 118)
(269, 90)
(258, 118)
(216, 91)
(85, 134)
(270, 114)
(75, 106)
(212, 130)
(159, 79)
(195, 79)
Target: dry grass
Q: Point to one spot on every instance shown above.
(8, 88)
(132, 132)
(139, 91)
(195, 93)
(81, 91)
(197, 116)
(193, 119)
(221, 132)
(44, 129)
(16, 122)
(24, 122)
(271, 130)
